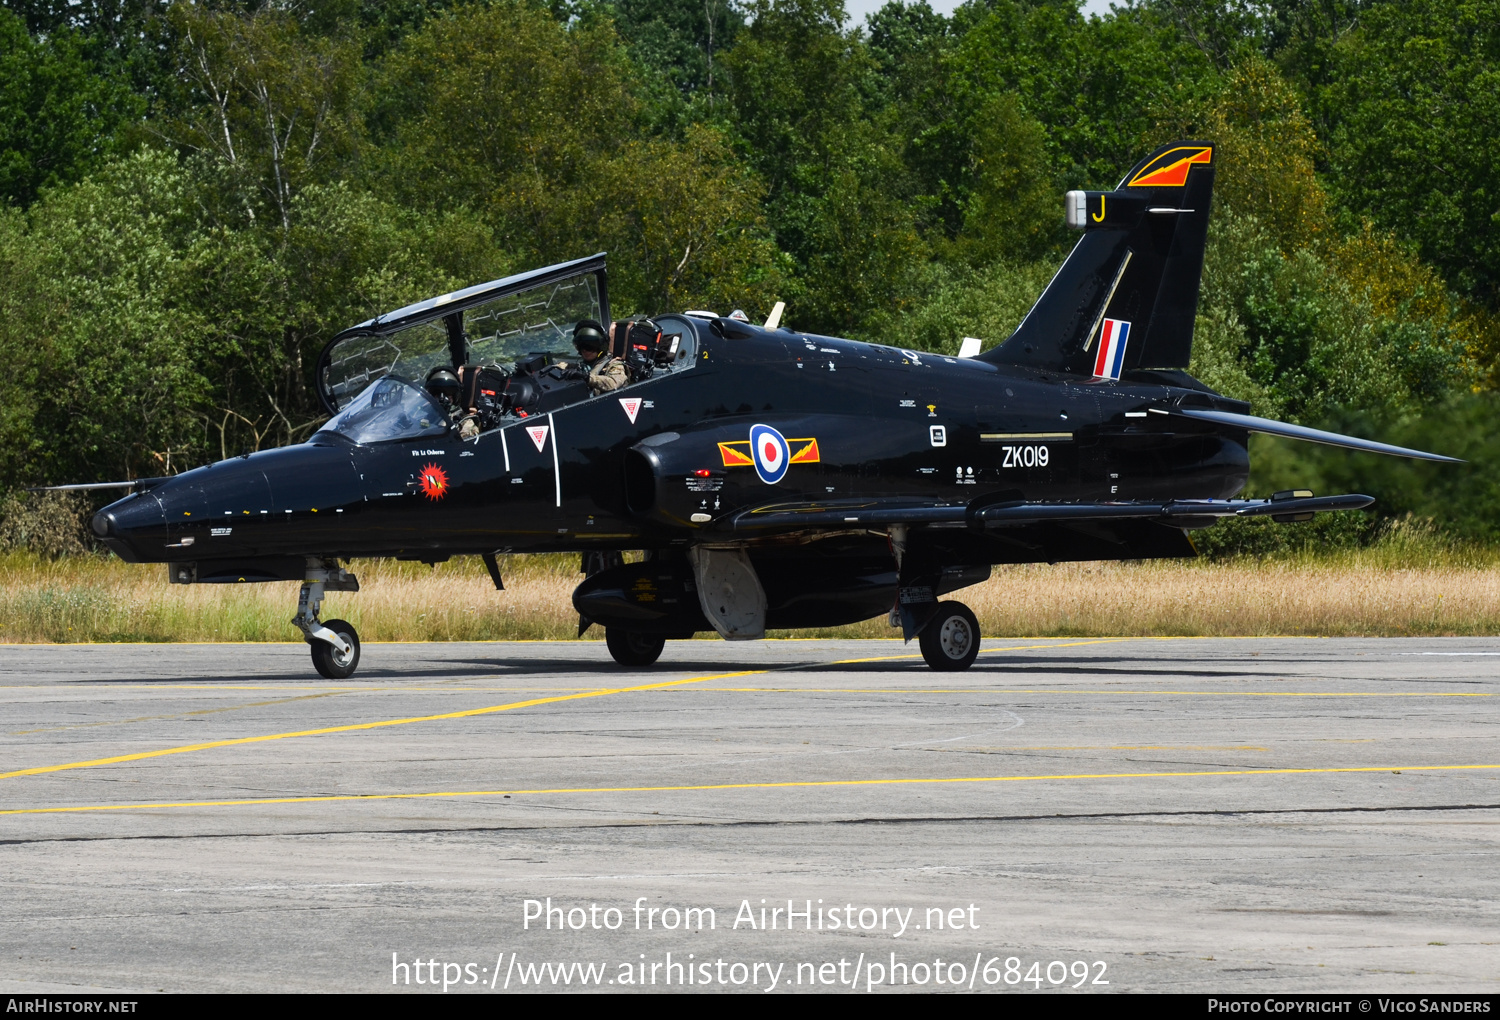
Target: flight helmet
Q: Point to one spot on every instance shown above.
(443, 384)
(588, 335)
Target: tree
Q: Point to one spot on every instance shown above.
(839, 200)
(681, 40)
(58, 115)
(267, 300)
(531, 123)
(1265, 152)
(1414, 132)
(272, 105)
(506, 111)
(1097, 85)
(686, 226)
(108, 347)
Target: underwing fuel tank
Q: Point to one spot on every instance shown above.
(655, 597)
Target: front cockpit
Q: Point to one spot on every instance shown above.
(389, 409)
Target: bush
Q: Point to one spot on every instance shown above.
(49, 524)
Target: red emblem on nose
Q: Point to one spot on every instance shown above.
(434, 482)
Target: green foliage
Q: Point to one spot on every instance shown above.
(1411, 98)
(685, 219)
(530, 123)
(57, 111)
(270, 299)
(677, 44)
(270, 106)
(50, 524)
(1265, 151)
(1097, 85)
(197, 196)
(987, 303)
(504, 110)
(1009, 213)
(803, 94)
(1459, 498)
(102, 335)
(1264, 539)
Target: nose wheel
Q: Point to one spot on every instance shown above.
(335, 644)
(332, 662)
(950, 641)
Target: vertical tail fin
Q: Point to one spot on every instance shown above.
(1127, 295)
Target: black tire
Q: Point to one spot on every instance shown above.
(632, 648)
(950, 641)
(326, 658)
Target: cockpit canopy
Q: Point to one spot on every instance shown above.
(496, 323)
(389, 409)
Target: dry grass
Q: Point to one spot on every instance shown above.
(1238, 599)
(94, 598)
(1398, 588)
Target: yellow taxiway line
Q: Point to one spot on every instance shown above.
(466, 713)
(354, 727)
(712, 787)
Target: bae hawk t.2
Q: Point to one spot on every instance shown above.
(773, 478)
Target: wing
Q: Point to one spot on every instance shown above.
(1298, 505)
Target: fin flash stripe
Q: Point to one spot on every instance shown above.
(1170, 169)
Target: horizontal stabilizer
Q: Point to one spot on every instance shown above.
(1281, 428)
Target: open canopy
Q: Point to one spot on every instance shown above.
(491, 323)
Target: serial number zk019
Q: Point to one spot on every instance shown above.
(1033, 455)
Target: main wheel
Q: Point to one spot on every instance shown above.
(328, 660)
(632, 648)
(950, 641)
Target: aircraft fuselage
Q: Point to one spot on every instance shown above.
(862, 421)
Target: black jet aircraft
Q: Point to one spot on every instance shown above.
(774, 478)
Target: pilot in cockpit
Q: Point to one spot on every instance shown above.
(446, 388)
(603, 370)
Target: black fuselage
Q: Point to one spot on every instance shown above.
(886, 423)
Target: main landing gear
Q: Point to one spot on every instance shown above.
(335, 644)
(632, 648)
(950, 641)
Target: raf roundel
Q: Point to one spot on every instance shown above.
(771, 454)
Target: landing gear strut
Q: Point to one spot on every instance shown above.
(335, 644)
(950, 641)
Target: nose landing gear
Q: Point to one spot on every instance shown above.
(335, 644)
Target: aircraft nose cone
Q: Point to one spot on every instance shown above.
(132, 526)
(103, 524)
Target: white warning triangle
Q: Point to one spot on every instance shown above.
(632, 407)
(538, 434)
